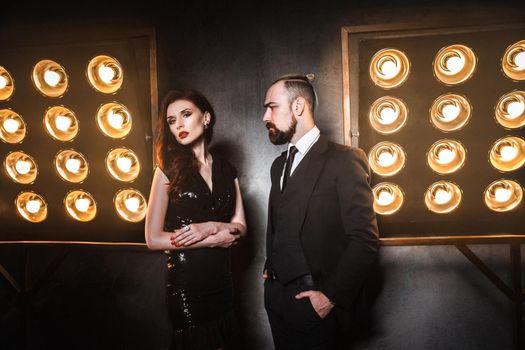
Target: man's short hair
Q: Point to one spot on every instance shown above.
(299, 86)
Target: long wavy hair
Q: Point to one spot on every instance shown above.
(178, 161)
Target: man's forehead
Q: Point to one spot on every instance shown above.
(275, 92)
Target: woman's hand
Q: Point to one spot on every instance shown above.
(193, 233)
(226, 237)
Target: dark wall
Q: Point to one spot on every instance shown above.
(99, 297)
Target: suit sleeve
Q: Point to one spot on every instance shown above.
(360, 227)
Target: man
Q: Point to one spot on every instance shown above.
(322, 233)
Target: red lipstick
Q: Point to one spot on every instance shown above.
(183, 135)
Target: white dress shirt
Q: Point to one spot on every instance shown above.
(303, 146)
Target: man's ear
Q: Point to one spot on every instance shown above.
(298, 106)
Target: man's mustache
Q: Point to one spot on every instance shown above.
(270, 125)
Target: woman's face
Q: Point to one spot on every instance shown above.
(186, 121)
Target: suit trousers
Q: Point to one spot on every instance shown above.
(294, 322)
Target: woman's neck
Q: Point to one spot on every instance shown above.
(200, 150)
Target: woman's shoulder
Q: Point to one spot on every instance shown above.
(225, 165)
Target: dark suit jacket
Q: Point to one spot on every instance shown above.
(335, 219)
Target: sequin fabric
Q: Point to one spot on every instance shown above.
(199, 284)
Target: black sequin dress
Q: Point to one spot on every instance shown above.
(199, 284)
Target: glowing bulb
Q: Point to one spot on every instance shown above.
(387, 116)
(51, 78)
(73, 165)
(386, 159)
(33, 206)
(62, 123)
(385, 198)
(455, 64)
(124, 164)
(450, 112)
(106, 74)
(3, 82)
(389, 69)
(515, 109)
(442, 196)
(133, 204)
(82, 204)
(11, 125)
(508, 153)
(519, 60)
(446, 156)
(502, 194)
(115, 120)
(23, 167)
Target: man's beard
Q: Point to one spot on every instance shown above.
(279, 137)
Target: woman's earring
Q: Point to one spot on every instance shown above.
(206, 124)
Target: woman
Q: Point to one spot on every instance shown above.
(195, 213)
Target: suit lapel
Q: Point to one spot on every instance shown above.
(307, 178)
(275, 176)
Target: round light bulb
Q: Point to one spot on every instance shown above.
(51, 78)
(33, 206)
(515, 109)
(124, 164)
(446, 156)
(23, 167)
(389, 69)
(3, 82)
(519, 60)
(502, 194)
(63, 123)
(385, 198)
(106, 74)
(442, 196)
(115, 120)
(387, 116)
(450, 112)
(82, 204)
(11, 125)
(386, 159)
(132, 204)
(508, 153)
(455, 64)
(73, 165)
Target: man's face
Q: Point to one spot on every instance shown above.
(278, 116)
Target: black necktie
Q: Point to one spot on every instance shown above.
(288, 166)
